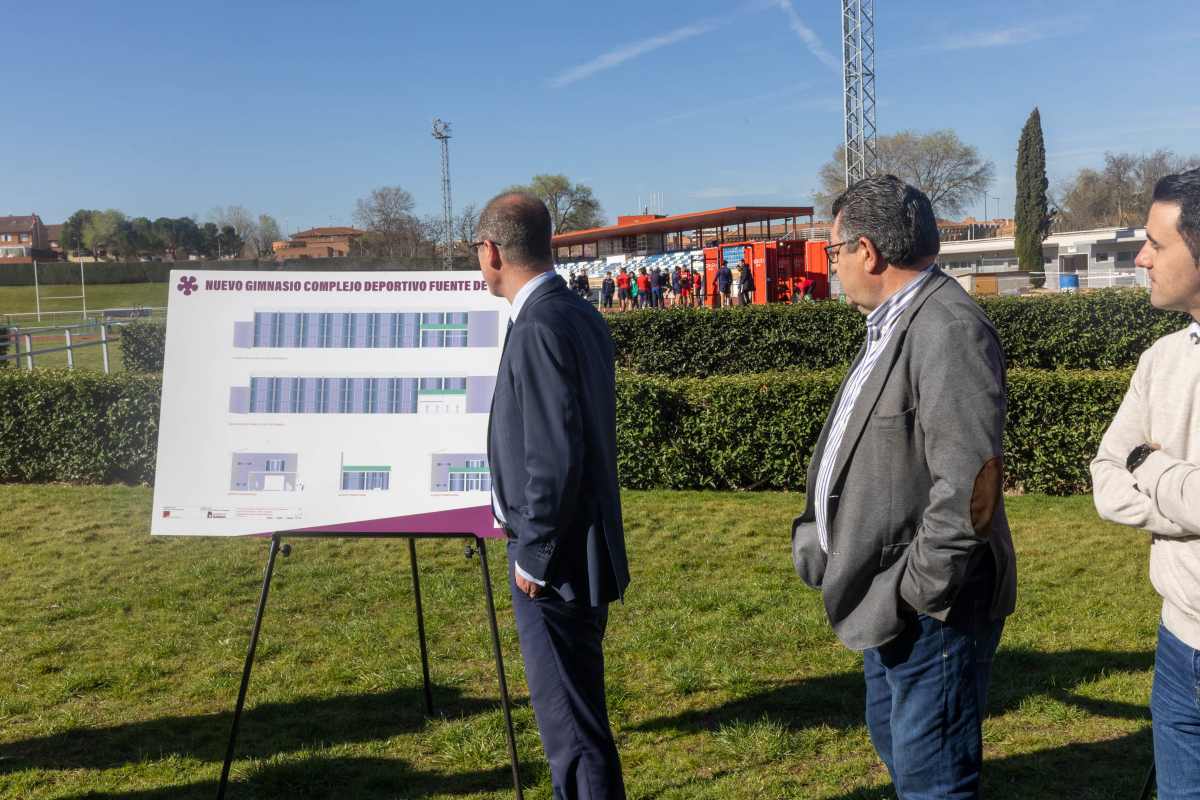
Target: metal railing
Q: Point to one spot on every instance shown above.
(22, 340)
(100, 314)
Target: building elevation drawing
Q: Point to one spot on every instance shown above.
(264, 472)
(460, 472)
(366, 478)
(362, 330)
(437, 395)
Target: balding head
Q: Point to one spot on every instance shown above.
(519, 224)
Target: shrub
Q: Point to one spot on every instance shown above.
(143, 346)
(78, 426)
(725, 432)
(758, 431)
(1105, 329)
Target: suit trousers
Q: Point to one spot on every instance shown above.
(927, 697)
(562, 646)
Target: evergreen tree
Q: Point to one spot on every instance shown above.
(1032, 215)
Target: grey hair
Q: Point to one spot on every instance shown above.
(895, 217)
(520, 224)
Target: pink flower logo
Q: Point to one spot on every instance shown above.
(188, 284)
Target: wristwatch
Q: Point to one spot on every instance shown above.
(1138, 456)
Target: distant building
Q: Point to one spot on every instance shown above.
(317, 243)
(23, 239)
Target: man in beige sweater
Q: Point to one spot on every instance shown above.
(1147, 475)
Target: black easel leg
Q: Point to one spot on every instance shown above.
(241, 700)
(412, 556)
(1148, 785)
(504, 702)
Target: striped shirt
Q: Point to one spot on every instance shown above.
(880, 324)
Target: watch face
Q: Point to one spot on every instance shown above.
(1138, 456)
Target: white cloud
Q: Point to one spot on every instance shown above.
(634, 49)
(630, 50)
(808, 36)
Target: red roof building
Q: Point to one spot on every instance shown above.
(317, 243)
(648, 234)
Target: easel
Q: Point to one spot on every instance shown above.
(479, 545)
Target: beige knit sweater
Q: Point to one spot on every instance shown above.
(1162, 407)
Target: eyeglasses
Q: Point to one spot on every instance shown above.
(475, 245)
(831, 250)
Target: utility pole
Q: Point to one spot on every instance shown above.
(441, 132)
(858, 80)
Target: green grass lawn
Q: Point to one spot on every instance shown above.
(20, 300)
(120, 657)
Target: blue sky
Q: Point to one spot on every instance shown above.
(296, 109)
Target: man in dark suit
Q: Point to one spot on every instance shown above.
(552, 448)
(904, 531)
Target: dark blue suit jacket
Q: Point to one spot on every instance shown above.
(552, 447)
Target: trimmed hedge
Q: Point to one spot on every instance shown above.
(727, 432)
(143, 346)
(67, 272)
(1105, 329)
(78, 426)
(758, 431)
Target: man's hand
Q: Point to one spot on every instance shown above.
(528, 587)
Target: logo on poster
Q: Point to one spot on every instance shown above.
(188, 284)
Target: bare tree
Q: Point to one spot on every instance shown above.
(1119, 194)
(951, 172)
(266, 233)
(242, 222)
(465, 223)
(572, 206)
(387, 214)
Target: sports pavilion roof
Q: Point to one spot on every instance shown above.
(682, 223)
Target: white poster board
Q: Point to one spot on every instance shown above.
(351, 402)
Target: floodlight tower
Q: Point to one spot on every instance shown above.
(858, 71)
(441, 132)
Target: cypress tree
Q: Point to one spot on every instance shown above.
(1032, 214)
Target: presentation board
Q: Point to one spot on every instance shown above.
(352, 402)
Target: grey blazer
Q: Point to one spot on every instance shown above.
(917, 494)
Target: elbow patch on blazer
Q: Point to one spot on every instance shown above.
(985, 496)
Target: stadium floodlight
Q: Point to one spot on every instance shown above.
(441, 132)
(858, 73)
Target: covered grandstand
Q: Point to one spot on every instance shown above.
(649, 240)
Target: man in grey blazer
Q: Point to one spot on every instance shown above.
(904, 531)
(552, 449)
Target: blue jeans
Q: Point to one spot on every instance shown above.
(926, 699)
(1175, 708)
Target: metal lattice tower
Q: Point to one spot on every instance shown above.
(441, 132)
(858, 66)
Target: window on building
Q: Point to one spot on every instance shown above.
(276, 465)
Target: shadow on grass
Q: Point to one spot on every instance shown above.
(1110, 770)
(332, 778)
(265, 730)
(838, 700)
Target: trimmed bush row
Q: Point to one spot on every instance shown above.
(1098, 330)
(78, 426)
(143, 346)
(725, 432)
(1106, 329)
